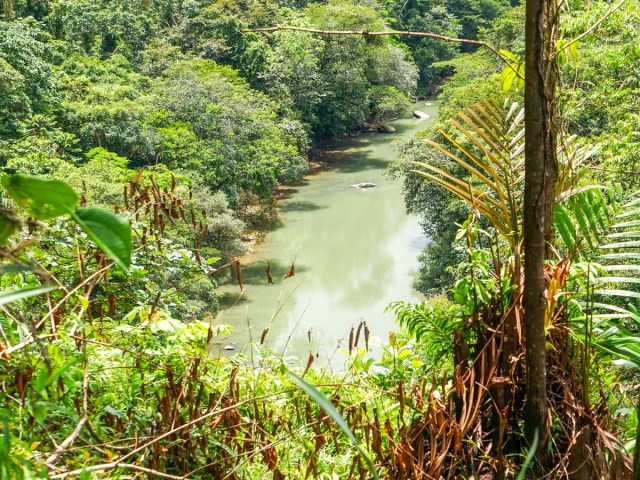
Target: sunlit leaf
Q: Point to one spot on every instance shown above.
(42, 198)
(8, 297)
(110, 232)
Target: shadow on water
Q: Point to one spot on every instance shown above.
(232, 298)
(299, 206)
(255, 273)
(354, 154)
(287, 191)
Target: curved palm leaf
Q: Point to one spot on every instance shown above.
(490, 149)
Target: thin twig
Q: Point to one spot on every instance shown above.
(28, 341)
(67, 443)
(391, 32)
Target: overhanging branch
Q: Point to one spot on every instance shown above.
(588, 31)
(388, 33)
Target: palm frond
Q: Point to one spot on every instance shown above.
(490, 153)
(488, 144)
(615, 246)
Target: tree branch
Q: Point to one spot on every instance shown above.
(68, 441)
(592, 27)
(387, 33)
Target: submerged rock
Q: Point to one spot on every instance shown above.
(419, 114)
(363, 185)
(386, 128)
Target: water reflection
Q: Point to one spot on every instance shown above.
(354, 252)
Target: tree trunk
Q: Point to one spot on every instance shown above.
(540, 177)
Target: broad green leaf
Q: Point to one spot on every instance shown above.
(110, 232)
(510, 55)
(42, 198)
(507, 77)
(328, 407)
(7, 227)
(8, 297)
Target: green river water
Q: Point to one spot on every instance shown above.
(354, 251)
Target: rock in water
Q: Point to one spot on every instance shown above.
(228, 348)
(386, 128)
(363, 185)
(419, 114)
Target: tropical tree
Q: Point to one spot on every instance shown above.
(488, 143)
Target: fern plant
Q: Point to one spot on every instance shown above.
(432, 324)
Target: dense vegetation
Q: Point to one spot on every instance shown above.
(172, 87)
(600, 69)
(172, 116)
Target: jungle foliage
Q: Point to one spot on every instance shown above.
(140, 140)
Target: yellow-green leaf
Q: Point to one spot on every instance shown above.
(42, 198)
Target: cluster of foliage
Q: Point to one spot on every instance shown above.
(92, 92)
(591, 320)
(594, 72)
(450, 18)
(80, 367)
(172, 115)
(105, 373)
(176, 117)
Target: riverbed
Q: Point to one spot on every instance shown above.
(351, 251)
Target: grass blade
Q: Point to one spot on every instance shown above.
(330, 410)
(8, 297)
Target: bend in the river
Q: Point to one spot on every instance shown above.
(354, 250)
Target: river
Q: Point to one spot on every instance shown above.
(354, 251)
